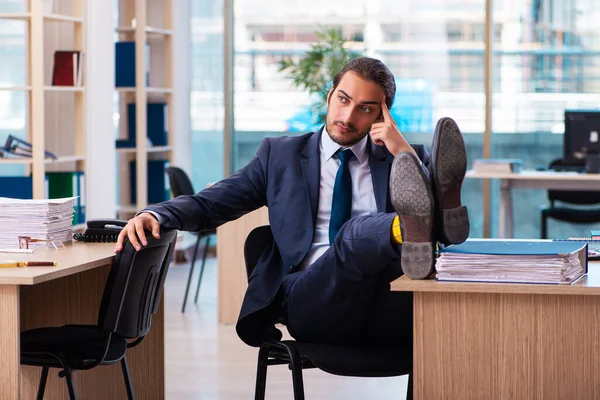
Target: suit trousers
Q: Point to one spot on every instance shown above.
(344, 297)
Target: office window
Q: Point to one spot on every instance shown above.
(206, 104)
(13, 73)
(436, 57)
(547, 60)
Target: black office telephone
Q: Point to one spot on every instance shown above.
(101, 230)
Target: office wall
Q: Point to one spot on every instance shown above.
(100, 81)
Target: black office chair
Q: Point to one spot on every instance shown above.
(337, 360)
(181, 185)
(131, 296)
(565, 213)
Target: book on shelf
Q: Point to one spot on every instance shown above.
(125, 144)
(20, 148)
(68, 68)
(68, 184)
(125, 64)
(498, 165)
(16, 187)
(156, 123)
(56, 185)
(513, 261)
(5, 153)
(157, 181)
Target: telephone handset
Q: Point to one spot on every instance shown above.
(101, 230)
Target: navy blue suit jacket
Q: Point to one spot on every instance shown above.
(284, 176)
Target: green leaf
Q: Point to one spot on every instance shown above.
(314, 71)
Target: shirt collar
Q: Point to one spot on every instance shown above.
(329, 147)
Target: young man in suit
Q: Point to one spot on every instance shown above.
(351, 208)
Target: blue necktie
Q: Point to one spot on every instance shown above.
(341, 205)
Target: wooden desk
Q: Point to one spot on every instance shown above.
(231, 266)
(532, 180)
(70, 294)
(506, 341)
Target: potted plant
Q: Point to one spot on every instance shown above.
(315, 70)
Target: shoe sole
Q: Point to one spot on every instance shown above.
(412, 199)
(448, 168)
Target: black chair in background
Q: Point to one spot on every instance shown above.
(337, 360)
(131, 296)
(564, 212)
(181, 185)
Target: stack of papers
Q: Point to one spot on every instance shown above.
(50, 220)
(513, 261)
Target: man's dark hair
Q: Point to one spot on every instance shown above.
(373, 70)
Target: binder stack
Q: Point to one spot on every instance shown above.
(513, 261)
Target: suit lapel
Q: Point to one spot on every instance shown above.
(379, 164)
(311, 171)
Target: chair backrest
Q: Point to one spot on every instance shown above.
(571, 196)
(179, 181)
(134, 286)
(256, 243)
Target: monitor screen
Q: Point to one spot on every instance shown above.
(582, 134)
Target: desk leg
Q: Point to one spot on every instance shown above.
(506, 346)
(505, 215)
(9, 342)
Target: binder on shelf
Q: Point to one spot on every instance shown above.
(124, 144)
(68, 184)
(156, 123)
(16, 187)
(513, 261)
(68, 68)
(158, 183)
(21, 148)
(125, 64)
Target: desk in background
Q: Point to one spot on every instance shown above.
(233, 281)
(70, 294)
(506, 341)
(532, 180)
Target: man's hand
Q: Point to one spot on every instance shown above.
(134, 230)
(387, 133)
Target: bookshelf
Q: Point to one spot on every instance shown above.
(148, 24)
(55, 115)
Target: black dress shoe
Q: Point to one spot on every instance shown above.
(411, 196)
(448, 167)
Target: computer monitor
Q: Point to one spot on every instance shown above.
(582, 135)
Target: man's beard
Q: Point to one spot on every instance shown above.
(346, 139)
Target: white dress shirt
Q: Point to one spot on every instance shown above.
(363, 195)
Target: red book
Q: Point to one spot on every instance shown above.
(65, 68)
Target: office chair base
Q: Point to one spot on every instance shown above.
(42, 385)
(286, 354)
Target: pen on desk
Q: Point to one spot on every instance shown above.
(8, 264)
(13, 264)
(39, 264)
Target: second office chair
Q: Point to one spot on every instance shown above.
(181, 186)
